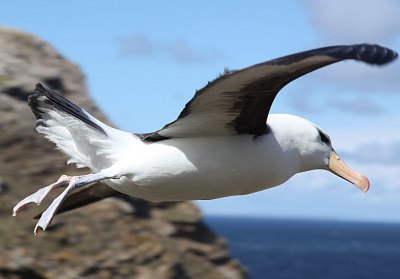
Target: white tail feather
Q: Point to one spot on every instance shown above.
(86, 140)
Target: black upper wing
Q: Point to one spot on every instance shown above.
(238, 102)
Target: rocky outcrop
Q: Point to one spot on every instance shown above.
(115, 238)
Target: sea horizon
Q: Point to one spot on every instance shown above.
(298, 248)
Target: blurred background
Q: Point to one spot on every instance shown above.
(143, 62)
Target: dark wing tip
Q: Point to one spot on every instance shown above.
(371, 54)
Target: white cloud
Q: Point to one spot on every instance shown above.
(136, 45)
(183, 52)
(351, 22)
(383, 131)
(362, 77)
(361, 105)
(305, 102)
(377, 154)
(357, 20)
(179, 50)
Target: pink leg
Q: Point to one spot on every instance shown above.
(48, 214)
(38, 196)
(73, 182)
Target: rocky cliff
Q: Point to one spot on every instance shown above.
(119, 237)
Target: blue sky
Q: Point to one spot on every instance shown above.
(144, 62)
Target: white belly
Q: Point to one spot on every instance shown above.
(205, 168)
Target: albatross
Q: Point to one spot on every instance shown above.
(224, 142)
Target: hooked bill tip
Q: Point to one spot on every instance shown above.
(363, 184)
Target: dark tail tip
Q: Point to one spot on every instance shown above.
(39, 87)
(45, 95)
(42, 89)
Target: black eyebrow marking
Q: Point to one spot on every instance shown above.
(324, 137)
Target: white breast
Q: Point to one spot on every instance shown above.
(206, 168)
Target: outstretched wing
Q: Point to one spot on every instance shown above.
(238, 102)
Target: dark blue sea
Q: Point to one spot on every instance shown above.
(298, 249)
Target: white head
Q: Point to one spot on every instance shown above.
(313, 147)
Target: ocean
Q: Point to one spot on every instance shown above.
(303, 249)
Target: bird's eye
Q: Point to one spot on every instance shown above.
(324, 138)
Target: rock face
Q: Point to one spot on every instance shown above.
(114, 238)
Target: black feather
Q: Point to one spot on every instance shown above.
(57, 101)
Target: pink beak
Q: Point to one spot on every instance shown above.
(338, 167)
